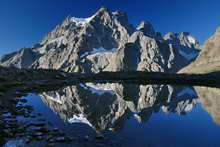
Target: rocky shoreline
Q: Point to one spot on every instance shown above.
(15, 85)
(20, 125)
(26, 80)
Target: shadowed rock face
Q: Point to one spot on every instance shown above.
(104, 42)
(147, 29)
(208, 60)
(187, 47)
(107, 106)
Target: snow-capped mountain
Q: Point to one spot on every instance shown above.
(106, 41)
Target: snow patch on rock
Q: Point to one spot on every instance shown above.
(58, 40)
(96, 90)
(189, 56)
(97, 51)
(101, 86)
(81, 21)
(79, 119)
(53, 99)
(191, 39)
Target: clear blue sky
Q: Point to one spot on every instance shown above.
(25, 22)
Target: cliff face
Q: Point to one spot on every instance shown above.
(187, 47)
(106, 41)
(208, 60)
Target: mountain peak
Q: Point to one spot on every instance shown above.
(103, 8)
(180, 37)
(188, 47)
(80, 22)
(101, 11)
(185, 33)
(146, 28)
(169, 36)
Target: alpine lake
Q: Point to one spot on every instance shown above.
(113, 115)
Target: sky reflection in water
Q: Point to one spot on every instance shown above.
(135, 115)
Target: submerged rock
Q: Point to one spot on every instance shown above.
(15, 143)
(60, 139)
(99, 136)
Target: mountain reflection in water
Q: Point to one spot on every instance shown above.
(134, 115)
(108, 106)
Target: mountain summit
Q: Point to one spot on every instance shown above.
(106, 41)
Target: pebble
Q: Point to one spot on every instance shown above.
(43, 130)
(87, 137)
(99, 136)
(51, 140)
(39, 114)
(33, 116)
(49, 137)
(39, 138)
(17, 92)
(37, 124)
(41, 119)
(50, 145)
(71, 138)
(37, 134)
(60, 133)
(55, 129)
(1, 94)
(60, 139)
(27, 140)
(13, 101)
(23, 100)
(11, 116)
(26, 115)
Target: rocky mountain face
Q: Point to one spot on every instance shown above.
(108, 106)
(209, 97)
(21, 59)
(187, 47)
(208, 60)
(106, 41)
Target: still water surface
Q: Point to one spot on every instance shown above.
(135, 115)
